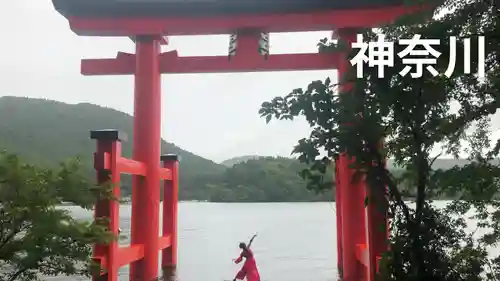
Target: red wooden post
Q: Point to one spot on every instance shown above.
(338, 209)
(105, 163)
(146, 149)
(170, 209)
(377, 231)
(352, 205)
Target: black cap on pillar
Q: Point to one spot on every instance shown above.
(170, 157)
(109, 135)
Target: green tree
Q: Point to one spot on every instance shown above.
(415, 116)
(37, 236)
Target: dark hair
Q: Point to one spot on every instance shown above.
(242, 245)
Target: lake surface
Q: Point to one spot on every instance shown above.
(295, 242)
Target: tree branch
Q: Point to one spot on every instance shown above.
(17, 274)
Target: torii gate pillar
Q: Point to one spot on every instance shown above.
(350, 207)
(146, 149)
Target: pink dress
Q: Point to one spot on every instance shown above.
(249, 269)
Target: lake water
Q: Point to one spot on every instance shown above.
(295, 242)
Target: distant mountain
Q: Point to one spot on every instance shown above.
(263, 179)
(235, 160)
(441, 163)
(47, 132)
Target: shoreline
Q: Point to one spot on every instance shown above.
(249, 202)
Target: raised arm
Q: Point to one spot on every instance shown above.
(251, 240)
(239, 259)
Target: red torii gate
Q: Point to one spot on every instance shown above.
(147, 23)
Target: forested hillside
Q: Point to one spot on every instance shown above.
(264, 179)
(48, 132)
(239, 159)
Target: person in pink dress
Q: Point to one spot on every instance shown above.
(249, 268)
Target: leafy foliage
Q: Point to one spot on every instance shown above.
(37, 237)
(413, 117)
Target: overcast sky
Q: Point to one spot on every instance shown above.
(213, 115)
